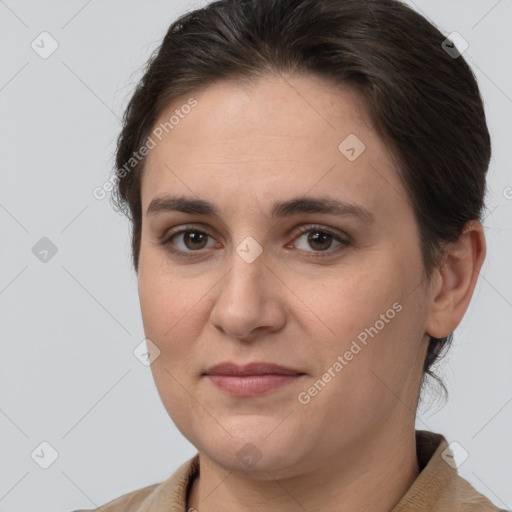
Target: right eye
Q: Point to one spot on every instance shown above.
(192, 240)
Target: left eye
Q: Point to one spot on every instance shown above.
(320, 239)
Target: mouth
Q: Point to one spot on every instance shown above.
(252, 379)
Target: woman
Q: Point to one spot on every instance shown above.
(305, 181)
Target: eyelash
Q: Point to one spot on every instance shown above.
(166, 241)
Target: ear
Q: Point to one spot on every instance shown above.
(455, 279)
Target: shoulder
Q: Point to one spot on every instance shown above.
(439, 487)
(470, 499)
(129, 502)
(171, 492)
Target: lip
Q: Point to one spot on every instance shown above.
(251, 379)
(256, 368)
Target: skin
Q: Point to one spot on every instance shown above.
(352, 447)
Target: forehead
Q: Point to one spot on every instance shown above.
(276, 136)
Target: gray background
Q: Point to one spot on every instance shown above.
(69, 325)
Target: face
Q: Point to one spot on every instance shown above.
(263, 275)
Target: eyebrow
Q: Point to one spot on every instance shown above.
(280, 209)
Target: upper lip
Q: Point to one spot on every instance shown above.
(257, 368)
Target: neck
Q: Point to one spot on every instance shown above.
(378, 475)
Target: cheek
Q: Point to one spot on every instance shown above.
(163, 298)
(168, 316)
(174, 312)
(375, 320)
(351, 299)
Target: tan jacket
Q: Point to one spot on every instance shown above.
(438, 487)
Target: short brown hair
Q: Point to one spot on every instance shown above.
(424, 101)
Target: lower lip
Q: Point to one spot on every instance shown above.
(251, 385)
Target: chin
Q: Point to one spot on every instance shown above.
(253, 450)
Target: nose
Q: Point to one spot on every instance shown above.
(250, 299)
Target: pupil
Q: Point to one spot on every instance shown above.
(195, 237)
(314, 237)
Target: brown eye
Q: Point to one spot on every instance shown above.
(186, 242)
(194, 240)
(321, 240)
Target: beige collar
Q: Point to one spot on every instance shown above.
(438, 487)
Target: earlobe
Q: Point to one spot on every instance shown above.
(455, 281)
